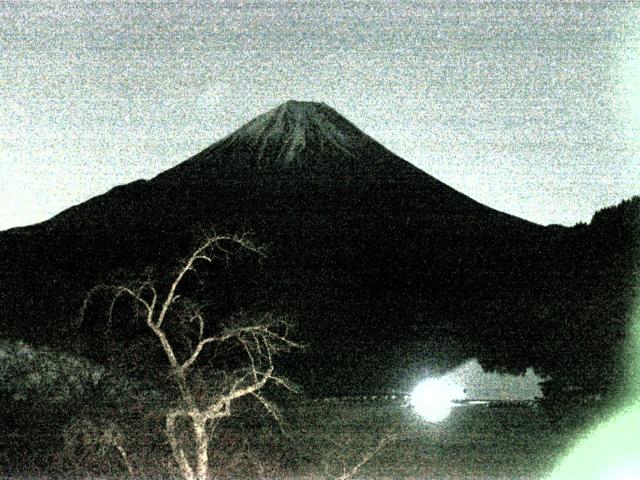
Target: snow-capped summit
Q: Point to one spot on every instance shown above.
(285, 133)
(306, 139)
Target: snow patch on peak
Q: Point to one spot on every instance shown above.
(286, 132)
(297, 107)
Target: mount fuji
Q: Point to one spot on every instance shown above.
(386, 270)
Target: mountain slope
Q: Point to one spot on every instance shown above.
(386, 269)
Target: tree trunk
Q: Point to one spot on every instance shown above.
(202, 446)
(178, 453)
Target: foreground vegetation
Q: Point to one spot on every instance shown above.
(194, 396)
(315, 440)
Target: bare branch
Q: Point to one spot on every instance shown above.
(122, 291)
(171, 296)
(199, 255)
(164, 342)
(198, 316)
(119, 291)
(269, 407)
(247, 349)
(89, 296)
(263, 331)
(284, 383)
(194, 356)
(348, 475)
(237, 392)
(124, 457)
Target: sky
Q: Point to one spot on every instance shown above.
(532, 108)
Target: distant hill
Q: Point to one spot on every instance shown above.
(386, 269)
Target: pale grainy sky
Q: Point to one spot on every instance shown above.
(531, 107)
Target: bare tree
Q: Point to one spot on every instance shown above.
(259, 338)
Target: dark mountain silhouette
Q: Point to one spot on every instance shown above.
(386, 269)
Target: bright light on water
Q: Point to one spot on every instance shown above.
(433, 398)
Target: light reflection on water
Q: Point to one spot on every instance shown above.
(433, 398)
